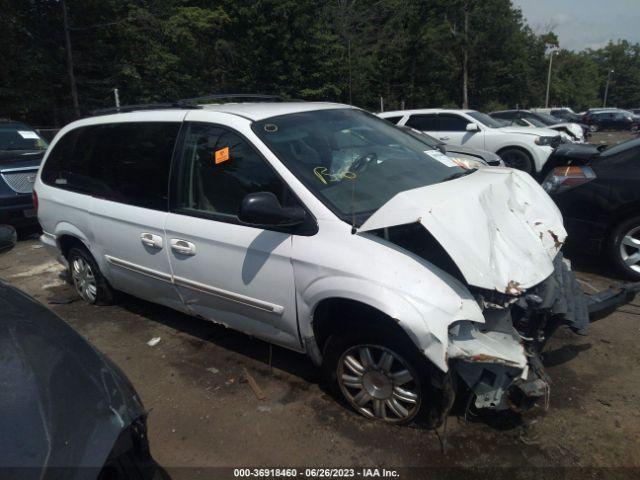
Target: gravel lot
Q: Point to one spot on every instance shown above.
(204, 414)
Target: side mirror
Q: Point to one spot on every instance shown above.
(264, 209)
(8, 238)
(472, 127)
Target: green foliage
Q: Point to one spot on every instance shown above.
(408, 51)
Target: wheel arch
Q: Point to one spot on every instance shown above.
(328, 317)
(523, 149)
(622, 214)
(68, 235)
(67, 241)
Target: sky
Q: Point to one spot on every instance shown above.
(582, 24)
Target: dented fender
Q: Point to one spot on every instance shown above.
(424, 300)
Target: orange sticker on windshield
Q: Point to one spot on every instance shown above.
(222, 155)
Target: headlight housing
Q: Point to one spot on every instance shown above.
(561, 179)
(546, 141)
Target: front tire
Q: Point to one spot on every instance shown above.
(518, 159)
(87, 279)
(624, 247)
(381, 375)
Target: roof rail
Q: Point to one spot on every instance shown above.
(143, 106)
(220, 97)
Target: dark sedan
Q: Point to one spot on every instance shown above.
(598, 193)
(613, 119)
(21, 151)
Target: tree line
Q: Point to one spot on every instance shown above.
(61, 59)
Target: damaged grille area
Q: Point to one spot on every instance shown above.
(523, 323)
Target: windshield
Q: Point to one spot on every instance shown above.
(16, 136)
(634, 143)
(546, 118)
(485, 119)
(536, 122)
(354, 162)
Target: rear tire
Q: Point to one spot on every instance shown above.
(623, 247)
(87, 279)
(382, 376)
(518, 159)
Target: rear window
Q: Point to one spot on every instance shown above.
(122, 162)
(18, 136)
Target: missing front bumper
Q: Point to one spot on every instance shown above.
(500, 360)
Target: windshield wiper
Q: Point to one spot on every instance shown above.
(459, 174)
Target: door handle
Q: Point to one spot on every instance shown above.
(151, 240)
(182, 246)
(444, 138)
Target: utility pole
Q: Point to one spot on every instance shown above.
(67, 47)
(465, 58)
(349, 56)
(606, 88)
(552, 53)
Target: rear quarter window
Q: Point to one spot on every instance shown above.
(123, 162)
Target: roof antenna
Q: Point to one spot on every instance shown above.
(354, 230)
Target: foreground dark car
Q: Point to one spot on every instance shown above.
(598, 193)
(66, 411)
(21, 151)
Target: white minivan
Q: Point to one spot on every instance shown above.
(326, 230)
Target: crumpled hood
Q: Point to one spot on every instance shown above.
(540, 132)
(497, 224)
(574, 128)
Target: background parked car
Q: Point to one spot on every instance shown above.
(68, 410)
(599, 197)
(563, 113)
(571, 132)
(523, 148)
(470, 157)
(613, 119)
(21, 151)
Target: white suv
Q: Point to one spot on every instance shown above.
(523, 148)
(325, 230)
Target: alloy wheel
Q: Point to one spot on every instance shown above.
(84, 279)
(630, 249)
(379, 384)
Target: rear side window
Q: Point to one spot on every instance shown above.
(122, 162)
(219, 168)
(453, 123)
(423, 122)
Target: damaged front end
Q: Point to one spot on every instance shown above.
(500, 360)
(499, 235)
